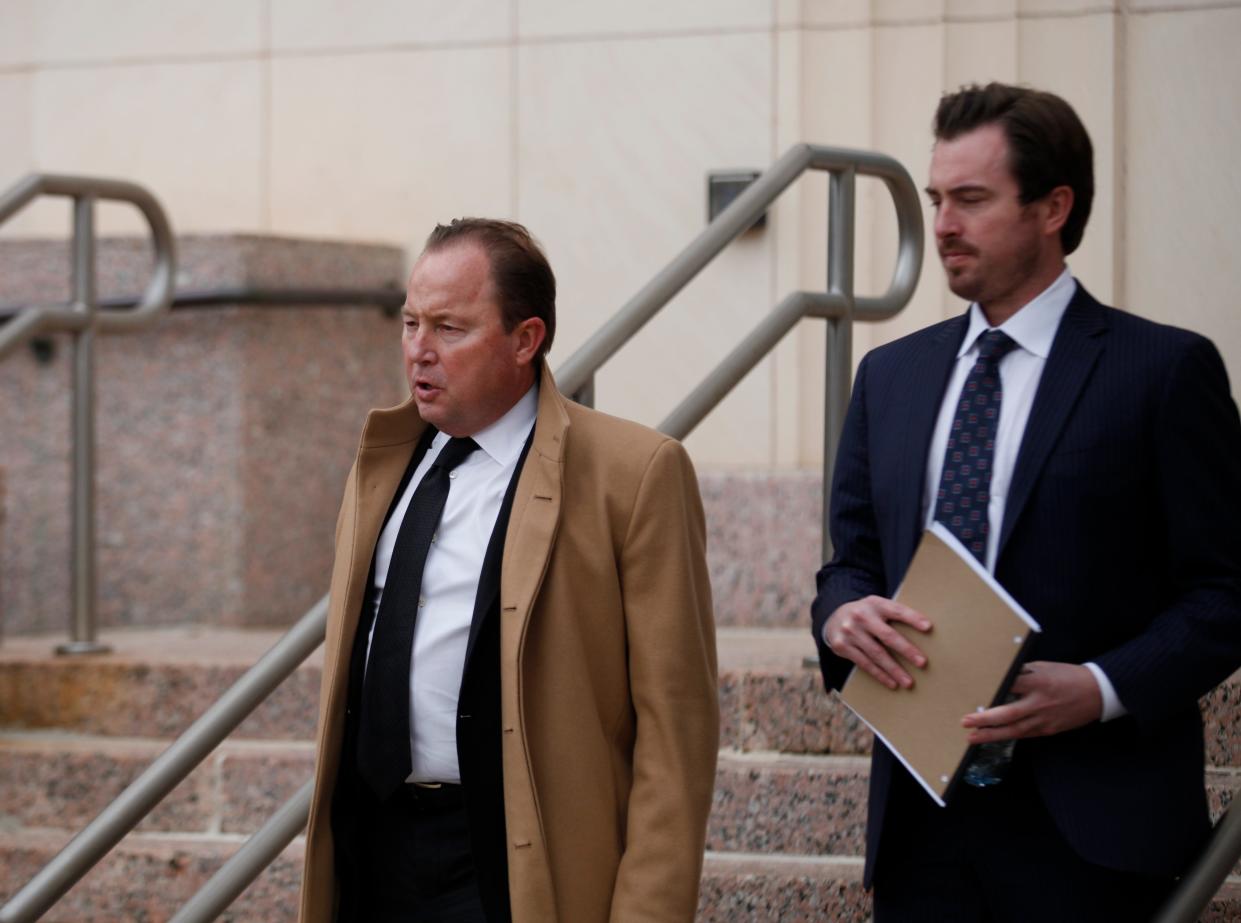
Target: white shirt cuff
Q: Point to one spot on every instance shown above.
(1112, 707)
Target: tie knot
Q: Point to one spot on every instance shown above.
(454, 453)
(995, 345)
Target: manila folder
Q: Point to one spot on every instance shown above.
(974, 650)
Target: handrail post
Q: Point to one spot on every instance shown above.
(840, 215)
(83, 630)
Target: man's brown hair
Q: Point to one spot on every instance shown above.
(1048, 145)
(525, 284)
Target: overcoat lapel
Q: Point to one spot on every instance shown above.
(536, 513)
(926, 381)
(388, 441)
(1074, 353)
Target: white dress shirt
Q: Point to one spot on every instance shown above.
(1032, 328)
(450, 582)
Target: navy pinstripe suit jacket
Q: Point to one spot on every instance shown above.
(1120, 536)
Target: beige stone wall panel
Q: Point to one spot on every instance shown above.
(298, 25)
(558, 18)
(383, 146)
(17, 32)
(613, 207)
(1075, 56)
(121, 30)
(16, 155)
(836, 13)
(1182, 188)
(190, 133)
(838, 111)
(908, 75)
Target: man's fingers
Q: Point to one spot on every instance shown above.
(861, 631)
(898, 612)
(1001, 715)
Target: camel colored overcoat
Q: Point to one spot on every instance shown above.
(608, 666)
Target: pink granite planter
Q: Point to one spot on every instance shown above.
(224, 435)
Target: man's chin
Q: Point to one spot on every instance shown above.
(963, 286)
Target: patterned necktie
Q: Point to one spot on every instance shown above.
(965, 483)
(383, 726)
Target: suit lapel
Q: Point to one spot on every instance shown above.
(489, 577)
(1074, 352)
(927, 380)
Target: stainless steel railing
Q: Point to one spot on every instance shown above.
(170, 768)
(1208, 873)
(839, 305)
(82, 318)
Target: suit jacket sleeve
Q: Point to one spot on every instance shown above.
(670, 629)
(1195, 641)
(856, 569)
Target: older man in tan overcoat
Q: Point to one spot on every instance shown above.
(603, 677)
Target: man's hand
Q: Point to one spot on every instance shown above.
(860, 631)
(1051, 698)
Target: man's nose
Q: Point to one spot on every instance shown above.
(418, 346)
(946, 223)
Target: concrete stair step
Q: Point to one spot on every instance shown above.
(157, 681)
(770, 699)
(148, 877)
(765, 803)
(736, 887)
(763, 544)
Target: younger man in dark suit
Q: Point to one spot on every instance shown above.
(1092, 461)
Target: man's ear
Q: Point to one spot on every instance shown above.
(529, 335)
(1058, 205)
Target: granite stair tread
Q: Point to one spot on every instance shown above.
(764, 802)
(784, 836)
(736, 887)
(157, 681)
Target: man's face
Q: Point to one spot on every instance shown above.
(464, 369)
(991, 245)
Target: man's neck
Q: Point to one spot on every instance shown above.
(1001, 309)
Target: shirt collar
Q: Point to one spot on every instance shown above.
(1033, 327)
(502, 441)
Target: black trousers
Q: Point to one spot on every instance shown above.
(995, 854)
(416, 865)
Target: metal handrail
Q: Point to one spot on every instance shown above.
(258, 852)
(839, 306)
(81, 318)
(79, 314)
(169, 769)
(1207, 874)
(578, 370)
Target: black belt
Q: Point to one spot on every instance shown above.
(431, 797)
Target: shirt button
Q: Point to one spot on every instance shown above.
(422, 602)
(452, 475)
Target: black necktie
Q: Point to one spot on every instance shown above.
(383, 725)
(965, 483)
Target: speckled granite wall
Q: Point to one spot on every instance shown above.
(224, 434)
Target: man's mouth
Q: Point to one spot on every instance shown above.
(425, 388)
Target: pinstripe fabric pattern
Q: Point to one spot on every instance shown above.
(1119, 535)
